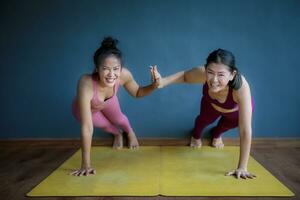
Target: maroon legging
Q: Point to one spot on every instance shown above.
(208, 115)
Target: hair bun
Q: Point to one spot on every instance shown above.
(109, 43)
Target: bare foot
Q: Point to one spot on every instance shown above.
(118, 141)
(195, 143)
(132, 141)
(217, 143)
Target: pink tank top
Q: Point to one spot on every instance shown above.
(229, 102)
(96, 104)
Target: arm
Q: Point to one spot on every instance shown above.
(132, 87)
(84, 95)
(245, 118)
(194, 75)
(245, 129)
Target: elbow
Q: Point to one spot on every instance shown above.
(86, 130)
(246, 134)
(138, 93)
(184, 79)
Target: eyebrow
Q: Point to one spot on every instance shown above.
(111, 67)
(208, 69)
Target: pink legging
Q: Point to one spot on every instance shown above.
(208, 115)
(110, 119)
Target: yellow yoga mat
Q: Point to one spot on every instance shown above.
(118, 173)
(190, 172)
(168, 171)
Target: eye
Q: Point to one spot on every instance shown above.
(116, 68)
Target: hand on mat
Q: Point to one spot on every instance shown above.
(155, 77)
(83, 172)
(240, 173)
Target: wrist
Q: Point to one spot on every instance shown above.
(242, 168)
(85, 165)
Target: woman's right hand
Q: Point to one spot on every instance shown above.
(84, 171)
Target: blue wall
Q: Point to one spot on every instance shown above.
(46, 46)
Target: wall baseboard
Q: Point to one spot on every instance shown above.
(75, 142)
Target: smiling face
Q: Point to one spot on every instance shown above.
(109, 71)
(218, 75)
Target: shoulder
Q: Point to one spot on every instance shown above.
(199, 69)
(195, 75)
(243, 92)
(85, 82)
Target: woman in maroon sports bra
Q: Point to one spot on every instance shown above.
(226, 94)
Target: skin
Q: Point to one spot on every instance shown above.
(110, 72)
(217, 75)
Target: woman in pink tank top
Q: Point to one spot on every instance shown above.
(226, 95)
(96, 103)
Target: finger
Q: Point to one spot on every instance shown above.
(151, 69)
(86, 173)
(155, 68)
(77, 174)
(74, 172)
(243, 176)
(238, 175)
(81, 173)
(249, 176)
(154, 72)
(229, 173)
(151, 74)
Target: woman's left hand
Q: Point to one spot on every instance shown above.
(240, 173)
(155, 77)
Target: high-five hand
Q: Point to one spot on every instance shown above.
(156, 77)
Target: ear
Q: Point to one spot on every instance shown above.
(233, 75)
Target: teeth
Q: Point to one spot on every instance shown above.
(110, 80)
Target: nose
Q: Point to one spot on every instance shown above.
(215, 78)
(111, 72)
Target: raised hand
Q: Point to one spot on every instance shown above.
(156, 77)
(240, 173)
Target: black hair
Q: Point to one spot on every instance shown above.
(227, 58)
(108, 48)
